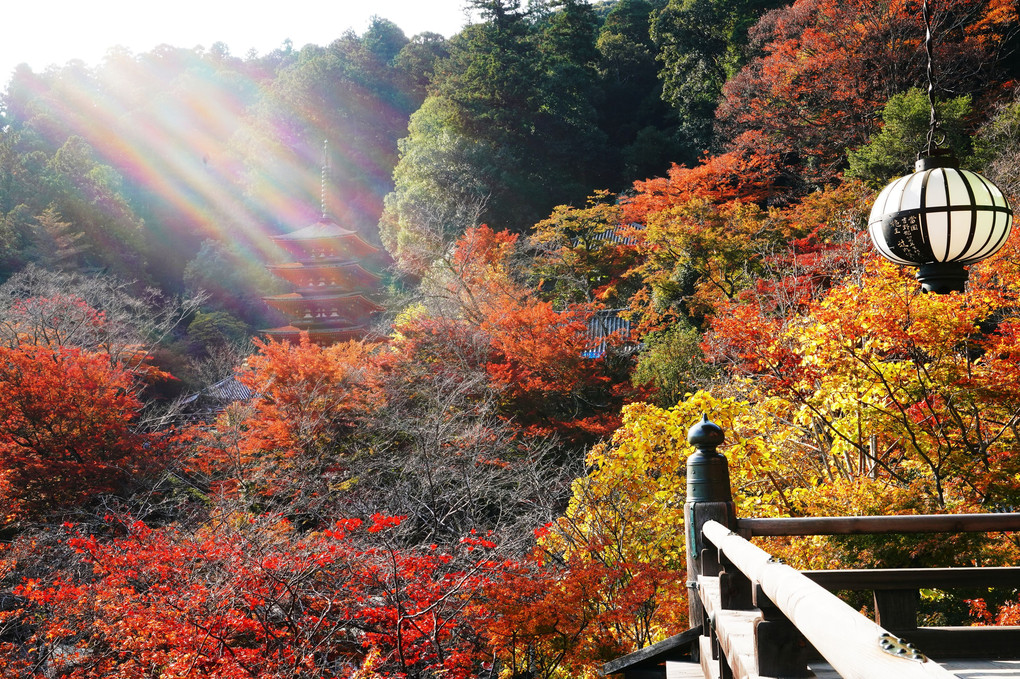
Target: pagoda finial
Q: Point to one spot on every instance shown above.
(325, 176)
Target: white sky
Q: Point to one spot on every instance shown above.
(45, 32)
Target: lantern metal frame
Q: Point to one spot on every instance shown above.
(940, 219)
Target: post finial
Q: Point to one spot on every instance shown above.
(706, 435)
(708, 477)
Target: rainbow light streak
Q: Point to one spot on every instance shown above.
(186, 143)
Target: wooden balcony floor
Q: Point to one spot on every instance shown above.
(970, 668)
(964, 669)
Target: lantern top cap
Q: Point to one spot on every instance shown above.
(933, 161)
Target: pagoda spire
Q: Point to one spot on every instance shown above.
(325, 177)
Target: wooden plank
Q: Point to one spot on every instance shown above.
(907, 578)
(845, 638)
(735, 633)
(984, 669)
(708, 591)
(709, 665)
(781, 649)
(734, 630)
(966, 642)
(734, 589)
(857, 525)
(965, 669)
(676, 647)
(684, 670)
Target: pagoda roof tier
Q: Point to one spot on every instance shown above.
(321, 307)
(325, 239)
(324, 336)
(349, 276)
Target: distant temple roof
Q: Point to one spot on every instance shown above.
(351, 274)
(213, 399)
(604, 324)
(295, 302)
(327, 235)
(617, 235)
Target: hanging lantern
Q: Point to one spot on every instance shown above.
(940, 219)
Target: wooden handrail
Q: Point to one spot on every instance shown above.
(846, 639)
(861, 525)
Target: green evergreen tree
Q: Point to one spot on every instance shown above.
(574, 144)
(523, 92)
(441, 185)
(418, 60)
(641, 128)
(701, 45)
(891, 153)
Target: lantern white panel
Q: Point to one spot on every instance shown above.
(887, 201)
(1000, 199)
(935, 189)
(958, 193)
(957, 237)
(1001, 226)
(938, 224)
(939, 239)
(982, 189)
(984, 232)
(911, 198)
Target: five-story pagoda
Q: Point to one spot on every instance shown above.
(332, 279)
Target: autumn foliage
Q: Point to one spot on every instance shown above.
(249, 600)
(826, 67)
(537, 358)
(67, 433)
(488, 487)
(306, 397)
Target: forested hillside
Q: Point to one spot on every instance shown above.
(480, 487)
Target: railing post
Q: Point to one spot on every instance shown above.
(735, 590)
(896, 609)
(708, 499)
(779, 647)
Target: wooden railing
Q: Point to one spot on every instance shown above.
(762, 630)
(753, 616)
(896, 591)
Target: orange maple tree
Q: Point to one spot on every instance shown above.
(305, 399)
(67, 434)
(538, 359)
